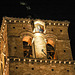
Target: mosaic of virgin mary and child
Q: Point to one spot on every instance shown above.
(39, 29)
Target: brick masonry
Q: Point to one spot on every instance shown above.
(12, 32)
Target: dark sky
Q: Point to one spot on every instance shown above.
(43, 9)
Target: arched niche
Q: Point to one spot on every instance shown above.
(52, 36)
(50, 46)
(26, 38)
(22, 34)
(27, 46)
(51, 42)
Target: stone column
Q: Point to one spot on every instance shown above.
(33, 48)
(40, 45)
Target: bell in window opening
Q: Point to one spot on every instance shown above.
(27, 46)
(50, 49)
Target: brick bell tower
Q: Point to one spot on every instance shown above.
(35, 46)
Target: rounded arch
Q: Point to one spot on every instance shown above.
(50, 45)
(50, 51)
(51, 41)
(54, 37)
(22, 34)
(27, 44)
(27, 39)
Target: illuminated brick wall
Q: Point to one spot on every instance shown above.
(13, 30)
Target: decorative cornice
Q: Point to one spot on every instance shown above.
(28, 20)
(28, 60)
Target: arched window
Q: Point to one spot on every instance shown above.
(27, 46)
(50, 49)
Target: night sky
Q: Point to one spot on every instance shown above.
(43, 9)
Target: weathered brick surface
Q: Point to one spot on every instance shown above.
(23, 68)
(63, 50)
(15, 42)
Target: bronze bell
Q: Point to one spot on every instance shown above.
(51, 50)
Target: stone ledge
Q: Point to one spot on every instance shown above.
(28, 20)
(28, 60)
(54, 23)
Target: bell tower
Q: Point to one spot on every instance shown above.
(35, 46)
